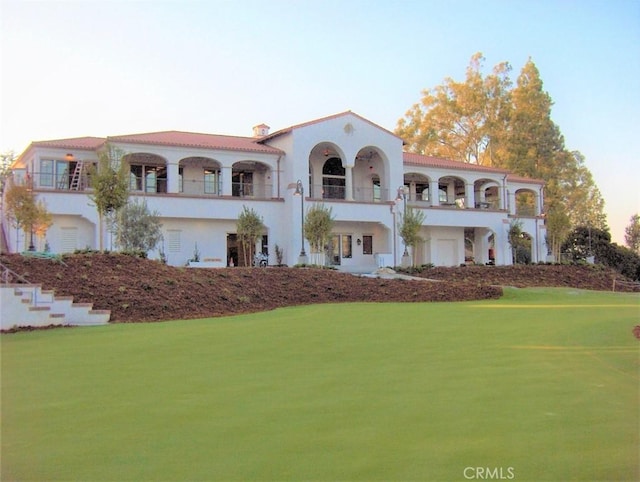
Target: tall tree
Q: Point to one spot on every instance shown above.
(485, 120)
(581, 196)
(632, 233)
(558, 227)
(460, 120)
(110, 184)
(532, 139)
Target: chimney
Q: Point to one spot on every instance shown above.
(261, 130)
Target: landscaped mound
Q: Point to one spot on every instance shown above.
(137, 290)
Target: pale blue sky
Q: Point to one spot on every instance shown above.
(98, 68)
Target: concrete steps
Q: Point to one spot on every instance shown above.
(23, 305)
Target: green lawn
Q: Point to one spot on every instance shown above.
(542, 385)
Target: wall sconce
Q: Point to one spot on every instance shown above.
(359, 241)
(69, 156)
(326, 152)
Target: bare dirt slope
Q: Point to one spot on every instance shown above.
(138, 290)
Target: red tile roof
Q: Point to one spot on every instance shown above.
(429, 161)
(192, 139)
(84, 143)
(411, 159)
(514, 178)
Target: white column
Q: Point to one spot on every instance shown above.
(173, 177)
(227, 172)
(469, 196)
(538, 206)
(451, 192)
(512, 202)
(434, 192)
(348, 181)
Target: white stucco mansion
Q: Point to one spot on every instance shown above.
(199, 184)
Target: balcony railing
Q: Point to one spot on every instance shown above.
(360, 194)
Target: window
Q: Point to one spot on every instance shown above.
(367, 244)
(135, 178)
(211, 181)
(46, 173)
(340, 246)
(242, 184)
(147, 178)
(56, 173)
(442, 194)
(346, 246)
(376, 189)
(333, 179)
(151, 180)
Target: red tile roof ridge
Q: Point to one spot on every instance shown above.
(176, 131)
(84, 143)
(197, 140)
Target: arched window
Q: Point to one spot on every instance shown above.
(333, 179)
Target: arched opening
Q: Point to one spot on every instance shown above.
(147, 172)
(251, 179)
(522, 250)
(487, 194)
(418, 185)
(469, 248)
(200, 176)
(368, 176)
(491, 248)
(525, 202)
(333, 179)
(451, 191)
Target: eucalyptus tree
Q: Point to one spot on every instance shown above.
(460, 120)
(487, 120)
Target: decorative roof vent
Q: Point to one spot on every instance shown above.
(261, 130)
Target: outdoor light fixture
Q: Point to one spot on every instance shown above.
(359, 241)
(69, 156)
(300, 192)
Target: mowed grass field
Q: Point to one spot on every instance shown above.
(540, 385)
